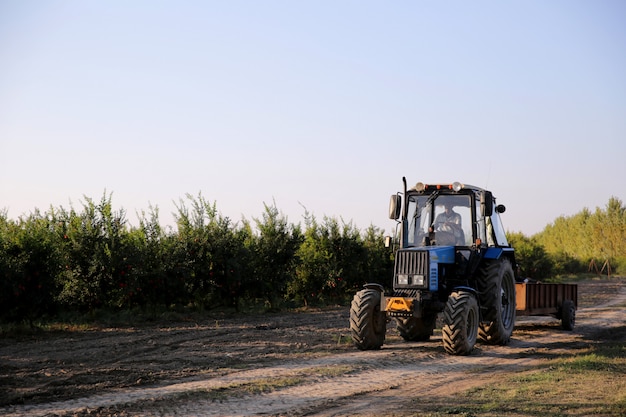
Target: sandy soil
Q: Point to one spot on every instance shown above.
(275, 364)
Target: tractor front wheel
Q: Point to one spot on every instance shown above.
(460, 328)
(367, 323)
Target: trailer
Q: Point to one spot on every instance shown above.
(557, 300)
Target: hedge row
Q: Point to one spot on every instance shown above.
(68, 260)
(72, 260)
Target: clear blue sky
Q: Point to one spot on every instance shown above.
(316, 104)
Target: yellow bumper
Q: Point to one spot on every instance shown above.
(399, 304)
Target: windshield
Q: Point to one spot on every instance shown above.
(443, 220)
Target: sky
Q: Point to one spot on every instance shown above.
(312, 106)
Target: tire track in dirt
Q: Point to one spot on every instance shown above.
(400, 372)
(381, 381)
(332, 396)
(399, 367)
(384, 370)
(57, 365)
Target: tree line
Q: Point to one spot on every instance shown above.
(574, 244)
(68, 260)
(80, 261)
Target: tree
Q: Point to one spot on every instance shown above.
(532, 259)
(331, 260)
(29, 264)
(273, 255)
(94, 254)
(587, 236)
(211, 254)
(378, 259)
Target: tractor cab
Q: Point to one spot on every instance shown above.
(448, 215)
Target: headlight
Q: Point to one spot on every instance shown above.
(418, 280)
(406, 279)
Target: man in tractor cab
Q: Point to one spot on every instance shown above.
(448, 225)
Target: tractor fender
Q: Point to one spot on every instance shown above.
(473, 292)
(467, 289)
(501, 253)
(496, 253)
(374, 286)
(377, 287)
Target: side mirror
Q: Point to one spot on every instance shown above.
(395, 205)
(486, 203)
(500, 208)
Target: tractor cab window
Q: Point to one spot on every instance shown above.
(453, 220)
(443, 220)
(481, 225)
(496, 236)
(498, 230)
(418, 215)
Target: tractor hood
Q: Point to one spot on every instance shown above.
(441, 254)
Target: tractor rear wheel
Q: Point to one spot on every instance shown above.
(496, 288)
(367, 323)
(416, 329)
(460, 328)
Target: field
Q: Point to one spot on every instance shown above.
(303, 363)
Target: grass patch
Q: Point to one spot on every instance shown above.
(331, 371)
(582, 277)
(591, 383)
(258, 386)
(24, 329)
(343, 339)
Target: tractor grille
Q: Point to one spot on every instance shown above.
(407, 292)
(412, 262)
(411, 269)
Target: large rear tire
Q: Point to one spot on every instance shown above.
(496, 287)
(367, 323)
(416, 329)
(460, 328)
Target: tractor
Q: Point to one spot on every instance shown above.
(453, 258)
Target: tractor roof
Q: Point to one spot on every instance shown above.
(454, 186)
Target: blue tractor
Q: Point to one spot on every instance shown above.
(453, 258)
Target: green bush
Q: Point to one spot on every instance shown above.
(92, 260)
(574, 241)
(95, 255)
(30, 261)
(273, 253)
(211, 255)
(378, 260)
(618, 267)
(334, 261)
(532, 259)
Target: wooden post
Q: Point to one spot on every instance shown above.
(607, 265)
(593, 267)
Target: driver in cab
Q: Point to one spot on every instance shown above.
(449, 221)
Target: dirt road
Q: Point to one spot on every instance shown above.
(278, 364)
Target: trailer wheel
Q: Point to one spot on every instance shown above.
(460, 328)
(496, 286)
(568, 315)
(367, 323)
(416, 329)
